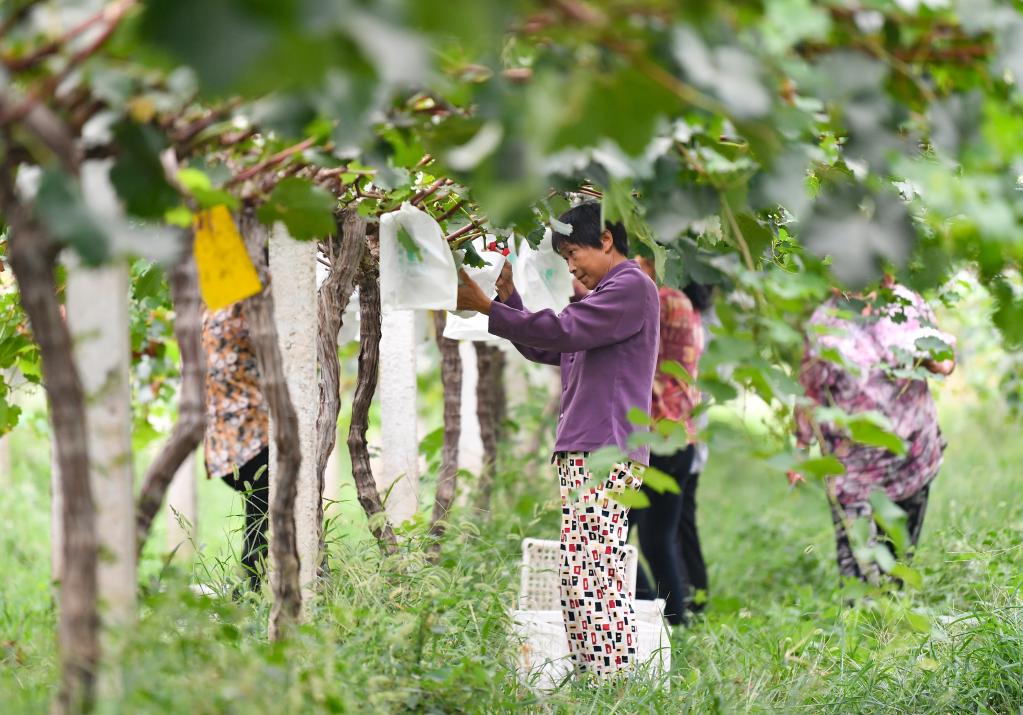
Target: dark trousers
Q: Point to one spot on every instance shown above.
(915, 507)
(253, 482)
(669, 540)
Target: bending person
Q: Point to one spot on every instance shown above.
(238, 427)
(874, 346)
(606, 346)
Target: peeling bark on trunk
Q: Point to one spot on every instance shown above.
(490, 408)
(344, 253)
(369, 362)
(451, 378)
(33, 255)
(189, 429)
(285, 583)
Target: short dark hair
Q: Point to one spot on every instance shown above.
(586, 231)
(701, 295)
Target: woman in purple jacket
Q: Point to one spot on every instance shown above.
(606, 346)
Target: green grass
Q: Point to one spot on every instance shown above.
(400, 635)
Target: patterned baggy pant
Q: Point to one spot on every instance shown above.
(595, 600)
(915, 507)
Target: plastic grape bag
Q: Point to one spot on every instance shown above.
(541, 276)
(427, 281)
(474, 329)
(468, 324)
(485, 277)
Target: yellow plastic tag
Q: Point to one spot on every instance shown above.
(226, 273)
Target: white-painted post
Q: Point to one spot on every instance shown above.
(332, 479)
(523, 381)
(183, 511)
(293, 276)
(97, 316)
(517, 372)
(398, 477)
(470, 443)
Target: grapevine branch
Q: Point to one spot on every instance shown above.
(16, 16)
(270, 162)
(49, 129)
(113, 14)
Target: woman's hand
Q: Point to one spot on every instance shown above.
(471, 296)
(940, 367)
(581, 291)
(505, 284)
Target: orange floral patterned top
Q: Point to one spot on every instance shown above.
(681, 340)
(237, 420)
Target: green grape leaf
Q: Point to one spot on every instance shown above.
(60, 207)
(638, 417)
(138, 175)
(632, 499)
(821, 466)
(868, 432)
(306, 209)
(659, 481)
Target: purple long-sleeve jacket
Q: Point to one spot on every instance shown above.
(606, 345)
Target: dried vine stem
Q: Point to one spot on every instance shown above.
(490, 409)
(447, 480)
(284, 581)
(369, 364)
(344, 255)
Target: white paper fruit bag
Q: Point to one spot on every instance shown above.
(417, 270)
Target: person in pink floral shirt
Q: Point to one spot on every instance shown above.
(872, 355)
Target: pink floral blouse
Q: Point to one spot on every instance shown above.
(873, 350)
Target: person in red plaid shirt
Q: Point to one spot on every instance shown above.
(667, 528)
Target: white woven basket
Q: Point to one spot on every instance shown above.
(540, 588)
(543, 656)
